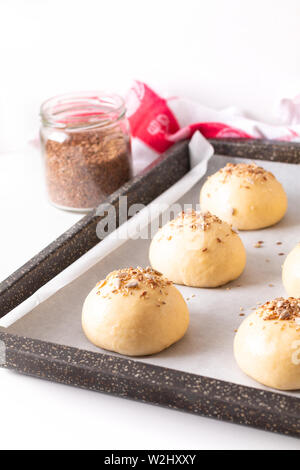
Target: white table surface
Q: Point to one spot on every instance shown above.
(38, 414)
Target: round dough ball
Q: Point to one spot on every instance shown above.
(267, 344)
(291, 272)
(244, 195)
(135, 312)
(198, 249)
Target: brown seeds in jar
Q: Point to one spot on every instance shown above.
(87, 154)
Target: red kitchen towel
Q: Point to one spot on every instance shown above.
(157, 123)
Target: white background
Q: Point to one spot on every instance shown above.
(242, 53)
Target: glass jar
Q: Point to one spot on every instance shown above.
(86, 147)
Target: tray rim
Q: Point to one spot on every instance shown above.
(223, 400)
(157, 385)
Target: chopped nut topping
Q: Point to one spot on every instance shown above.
(101, 283)
(281, 309)
(250, 171)
(117, 283)
(126, 280)
(194, 220)
(132, 284)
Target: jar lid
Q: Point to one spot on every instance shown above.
(82, 110)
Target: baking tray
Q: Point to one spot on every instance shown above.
(138, 379)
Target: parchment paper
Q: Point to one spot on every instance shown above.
(206, 349)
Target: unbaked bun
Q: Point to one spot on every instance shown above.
(135, 312)
(198, 249)
(291, 272)
(267, 344)
(244, 195)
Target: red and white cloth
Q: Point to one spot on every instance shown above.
(157, 123)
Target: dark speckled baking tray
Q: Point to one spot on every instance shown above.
(125, 377)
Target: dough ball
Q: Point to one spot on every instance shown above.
(198, 249)
(267, 344)
(291, 272)
(134, 312)
(244, 195)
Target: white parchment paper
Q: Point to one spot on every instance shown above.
(206, 349)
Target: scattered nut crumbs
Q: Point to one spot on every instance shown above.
(280, 254)
(281, 309)
(259, 244)
(278, 243)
